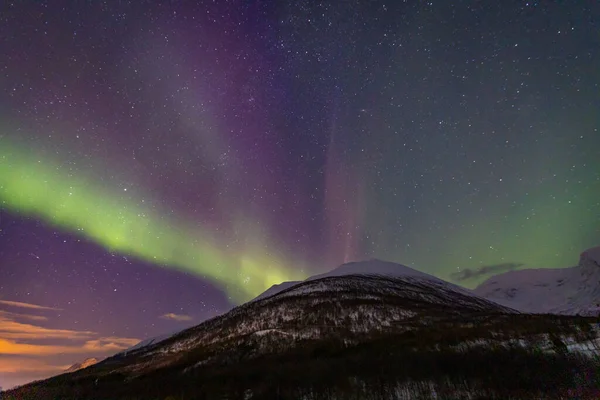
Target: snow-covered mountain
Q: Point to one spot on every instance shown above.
(370, 267)
(574, 290)
(288, 317)
(88, 362)
(366, 330)
(529, 282)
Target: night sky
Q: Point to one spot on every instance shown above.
(160, 163)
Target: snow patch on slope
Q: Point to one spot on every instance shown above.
(148, 342)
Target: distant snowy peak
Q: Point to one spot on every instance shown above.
(147, 342)
(369, 267)
(88, 362)
(574, 290)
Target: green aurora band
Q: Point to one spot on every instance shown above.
(547, 228)
(125, 225)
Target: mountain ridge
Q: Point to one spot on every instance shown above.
(569, 291)
(372, 266)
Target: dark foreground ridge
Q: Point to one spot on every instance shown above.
(354, 337)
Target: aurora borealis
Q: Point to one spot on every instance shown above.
(124, 225)
(161, 162)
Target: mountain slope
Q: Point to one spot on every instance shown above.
(317, 309)
(371, 267)
(570, 291)
(147, 342)
(354, 336)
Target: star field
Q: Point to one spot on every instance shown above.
(162, 162)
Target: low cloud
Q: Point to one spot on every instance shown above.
(176, 317)
(24, 365)
(29, 350)
(11, 329)
(27, 305)
(111, 343)
(18, 338)
(472, 273)
(18, 370)
(8, 314)
(99, 345)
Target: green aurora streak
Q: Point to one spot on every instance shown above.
(124, 224)
(549, 228)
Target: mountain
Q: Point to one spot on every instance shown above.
(371, 267)
(398, 334)
(289, 316)
(570, 291)
(84, 364)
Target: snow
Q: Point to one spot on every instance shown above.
(264, 332)
(148, 342)
(370, 267)
(276, 289)
(374, 267)
(574, 290)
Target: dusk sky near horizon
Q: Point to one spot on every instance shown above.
(163, 162)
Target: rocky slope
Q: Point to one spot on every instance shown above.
(570, 291)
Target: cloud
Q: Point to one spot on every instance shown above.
(11, 347)
(15, 371)
(11, 329)
(468, 273)
(110, 344)
(24, 365)
(9, 314)
(17, 338)
(176, 317)
(99, 345)
(27, 350)
(27, 305)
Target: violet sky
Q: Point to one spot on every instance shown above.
(161, 162)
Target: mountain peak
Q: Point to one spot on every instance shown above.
(373, 266)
